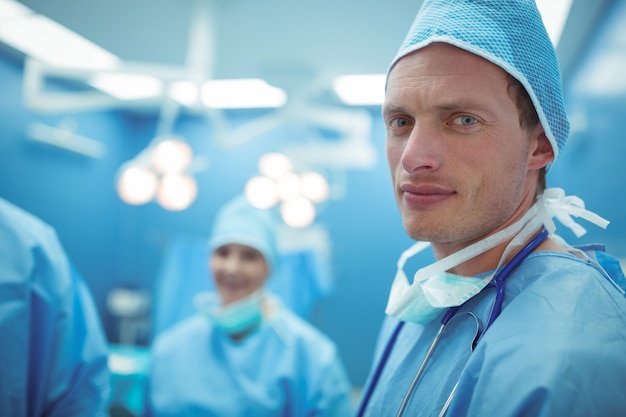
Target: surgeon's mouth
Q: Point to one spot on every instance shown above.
(424, 196)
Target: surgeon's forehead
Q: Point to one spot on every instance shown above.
(442, 65)
(444, 53)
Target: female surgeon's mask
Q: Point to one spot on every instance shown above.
(233, 318)
(433, 289)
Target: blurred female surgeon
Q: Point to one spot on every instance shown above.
(245, 354)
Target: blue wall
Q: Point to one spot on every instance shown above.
(114, 244)
(592, 164)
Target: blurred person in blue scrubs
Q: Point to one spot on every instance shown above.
(245, 353)
(510, 320)
(53, 361)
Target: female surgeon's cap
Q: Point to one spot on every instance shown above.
(241, 223)
(509, 33)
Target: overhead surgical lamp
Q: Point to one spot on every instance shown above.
(161, 172)
(314, 186)
(297, 212)
(176, 191)
(171, 155)
(274, 165)
(295, 194)
(137, 185)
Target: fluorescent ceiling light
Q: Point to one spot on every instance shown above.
(53, 44)
(184, 92)
(128, 86)
(367, 89)
(10, 9)
(554, 14)
(242, 93)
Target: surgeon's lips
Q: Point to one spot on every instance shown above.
(233, 291)
(232, 285)
(424, 195)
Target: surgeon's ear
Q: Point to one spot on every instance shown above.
(541, 149)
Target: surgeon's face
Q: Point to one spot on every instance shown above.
(461, 164)
(238, 271)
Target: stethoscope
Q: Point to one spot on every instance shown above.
(498, 283)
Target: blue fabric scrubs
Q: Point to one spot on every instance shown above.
(557, 349)
(53, 360)
(285, 368)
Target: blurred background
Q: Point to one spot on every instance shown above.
(126, 125)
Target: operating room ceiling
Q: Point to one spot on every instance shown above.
(282, 41)
(275, 39)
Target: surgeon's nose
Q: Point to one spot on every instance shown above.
(422, 150)
(231, 264)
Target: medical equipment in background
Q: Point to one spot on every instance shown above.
(64, 136)
(129, 355)
(163, 171)
(131, 308)
(159, 172)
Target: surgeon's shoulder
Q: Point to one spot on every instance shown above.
(31, 253)
(572, 277)
(22, 228)
(567, 323)
(562, 303)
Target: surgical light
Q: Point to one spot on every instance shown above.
(137, 185)
(314, 186)
(171, 156)
(274, 165)
(261, 192)
(176, 191)
(162, 172)
(280, 185)
(288, 186)
(297, 212)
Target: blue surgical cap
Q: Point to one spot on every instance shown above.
(510, 34)
(241, 223)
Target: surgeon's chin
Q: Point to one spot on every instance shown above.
(421, 229)
(414, 229)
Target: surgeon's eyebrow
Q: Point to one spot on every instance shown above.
(392, 109)
(484, 110)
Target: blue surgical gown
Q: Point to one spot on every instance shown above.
(53, 360)
(285, 368)
(557, 349)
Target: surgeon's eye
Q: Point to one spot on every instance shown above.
(222, 252)
(399, 122)
(251, 255)
(465, 120)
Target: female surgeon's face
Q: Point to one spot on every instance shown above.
(238, 271)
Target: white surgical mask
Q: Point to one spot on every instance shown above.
(433, 289)
(233, 318)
